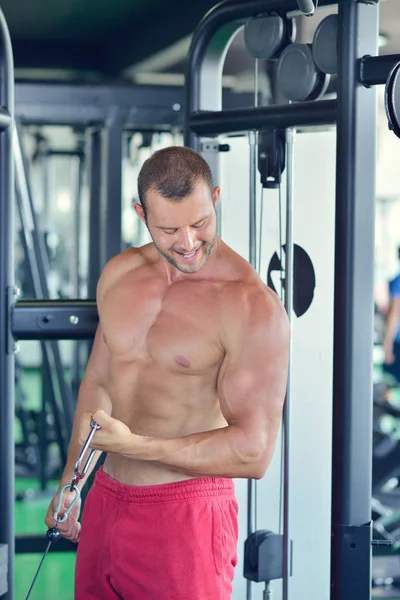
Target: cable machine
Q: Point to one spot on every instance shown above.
(354, 112)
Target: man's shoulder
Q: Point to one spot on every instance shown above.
(122, 264)
(244, 285)
(254, 298)
(248, 304)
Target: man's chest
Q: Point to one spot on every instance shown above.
(177, 327)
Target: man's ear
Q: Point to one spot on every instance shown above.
(215, 195)
(139, 210)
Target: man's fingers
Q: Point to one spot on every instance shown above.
(70, 529)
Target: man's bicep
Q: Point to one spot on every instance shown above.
(253, 377)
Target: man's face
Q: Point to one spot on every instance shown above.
(183, 232)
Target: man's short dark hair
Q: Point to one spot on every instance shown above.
(173, 172)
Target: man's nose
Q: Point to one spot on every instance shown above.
(187, 240)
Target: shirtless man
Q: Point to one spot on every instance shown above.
(187, 379)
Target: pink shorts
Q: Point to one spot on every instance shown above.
(174, 541)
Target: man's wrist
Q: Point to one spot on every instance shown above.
(140, 447)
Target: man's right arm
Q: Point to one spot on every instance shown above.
(93, 392)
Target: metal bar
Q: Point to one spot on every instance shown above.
(39, 262)
(46, 171)
(353, 307)
(94, 175)
(143, 107)
(212, 23)
(43, 429)
(111, 191)
(7, 397)
(54, 319)
(64, 153)
(289, 266)
(5, 118)
(253, 199)
(285, 116)
(76, 267)
(251, 486)
(253, 139)
(75, 262)
(47, 355)
(36, 544)
(375, 70)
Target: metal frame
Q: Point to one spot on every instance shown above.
(93, 152)
(353, 307)
(220, 25)
(355, 112)
(139, 107)
(5, 118)
(54, 319)
(263, 117)
(111, 189)
(354, 245)
(7, 403)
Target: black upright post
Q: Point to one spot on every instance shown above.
(111, 192)
(76, 267)
(93, 153)
(7, 409)
(353, 317)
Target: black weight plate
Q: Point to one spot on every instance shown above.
(325, 45)
(263, 36)
(392, 100)
(296, 73)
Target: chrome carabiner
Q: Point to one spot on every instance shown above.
(78, 475)
(70, 507)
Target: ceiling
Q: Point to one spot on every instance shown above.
(141, 40)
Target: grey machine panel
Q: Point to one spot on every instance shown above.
(3, 569)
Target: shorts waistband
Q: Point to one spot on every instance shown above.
(204, 487)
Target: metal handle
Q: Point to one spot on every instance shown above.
(70, 507)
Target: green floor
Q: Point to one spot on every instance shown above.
(55, 581)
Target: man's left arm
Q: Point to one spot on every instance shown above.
(251, 388)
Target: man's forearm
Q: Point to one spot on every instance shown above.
(89, 395)
(225, 452)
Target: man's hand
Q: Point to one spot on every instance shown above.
(113, 435)
(71, 527)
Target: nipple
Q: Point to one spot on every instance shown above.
(182, 361)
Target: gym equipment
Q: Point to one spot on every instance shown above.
(3, 569)
(307, 7)
(297, 75)
(324, 46)
(53, 534)
(392, 100)
(7, 376)
(264, 556)
(271, 157)
(355, 115)
(356, 128)
(266, 36)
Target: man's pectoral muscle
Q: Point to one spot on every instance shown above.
(251, 388)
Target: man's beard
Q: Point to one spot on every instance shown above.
(206, 248)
